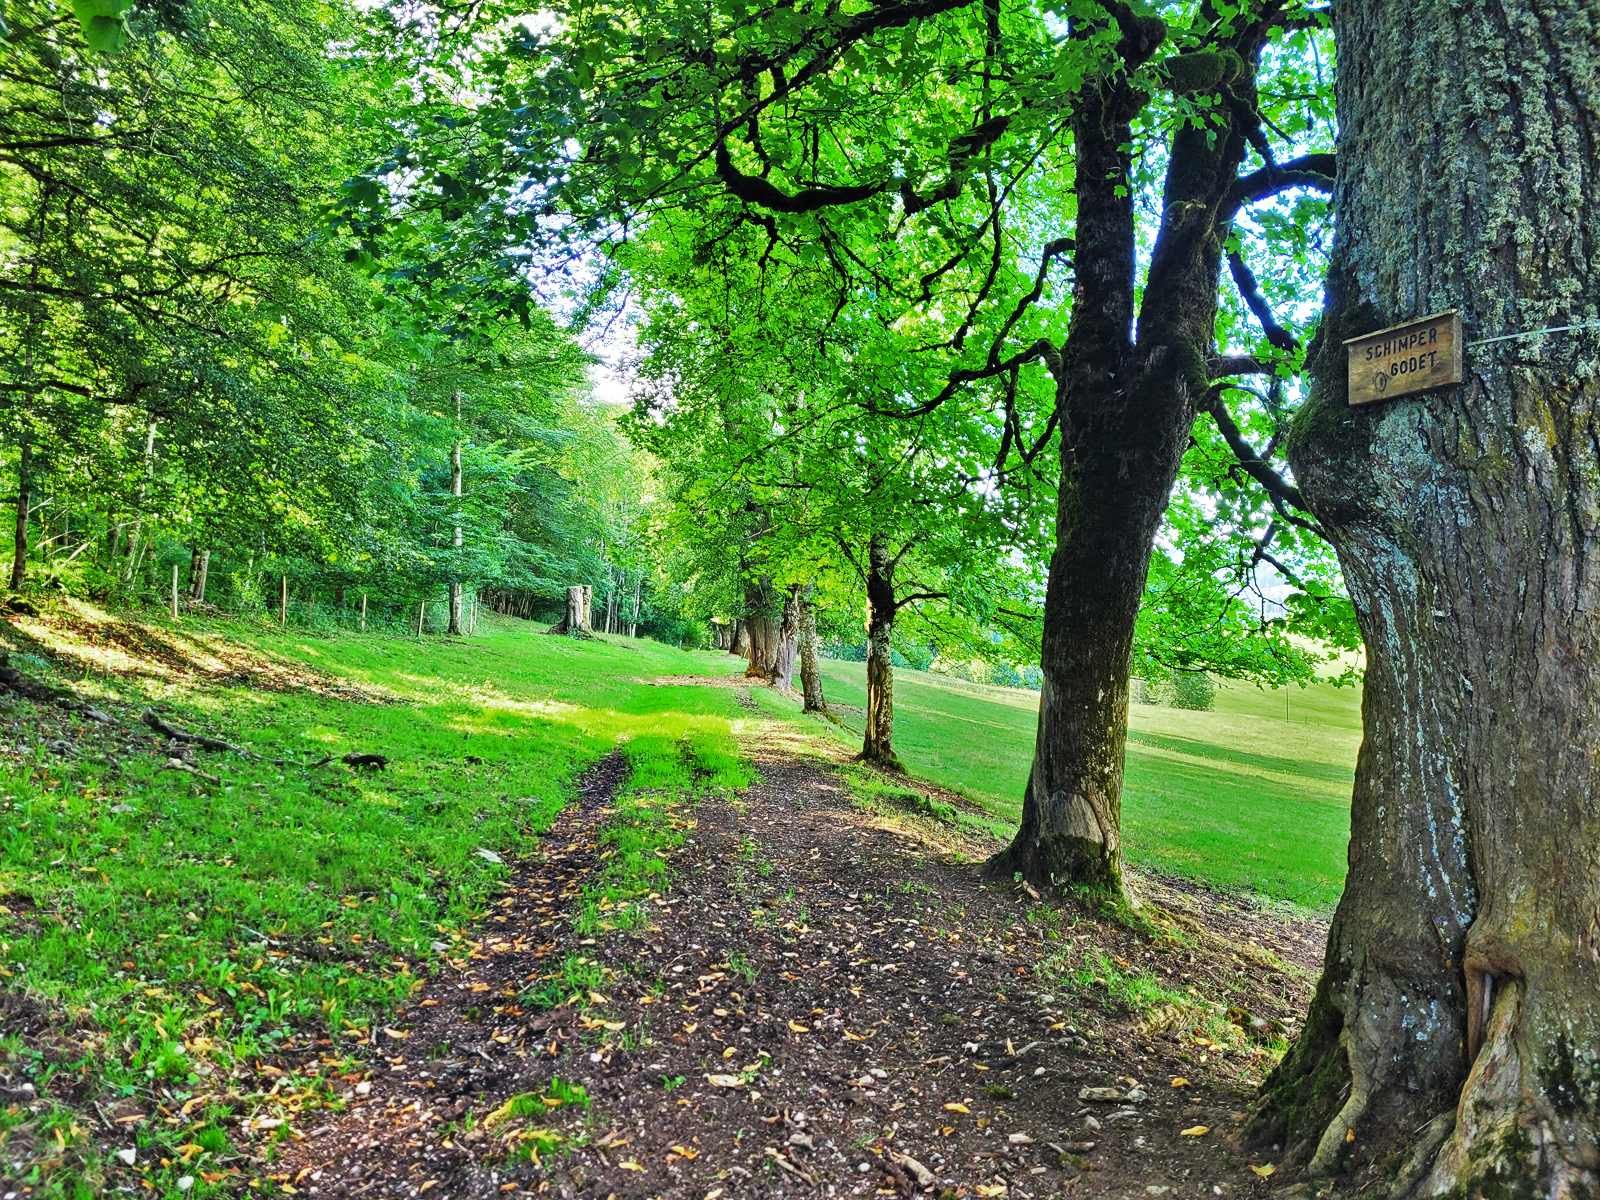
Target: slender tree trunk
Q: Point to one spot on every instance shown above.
(199, 568)
(19, 559)
(1461, 991)
(454, 629)
(137, 537)
(338, 595)
(638, 595)
(877, 745)
(283, 604)
(740, 645)
(810, 673)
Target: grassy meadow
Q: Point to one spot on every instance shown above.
(195, 928)
(1254, 795)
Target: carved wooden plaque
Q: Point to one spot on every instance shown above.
(1408, 358)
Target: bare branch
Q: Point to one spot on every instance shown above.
(1245, 280)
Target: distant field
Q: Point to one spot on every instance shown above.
(1244, 796)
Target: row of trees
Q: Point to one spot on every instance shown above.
(950, 274)
(933, 297)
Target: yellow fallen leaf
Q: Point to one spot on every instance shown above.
(960, 1108)
(203, 998)
(1059, 1025)
(727, 1081)
(396, 1033)
(991, 1189)
(615, 1026)
(498, 1114)
(1263, 1171)
(597, 998)
(1179, 1081)
(799, 1028)
(426, 1185)
(719, 1012)
(730, 1052)
(691, 1028)
(1196, 1131)
(691, 1155)
(630, 1166)
(1349, 1135)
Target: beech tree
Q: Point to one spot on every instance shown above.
(1459, 1010)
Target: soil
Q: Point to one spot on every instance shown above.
(826, 1001)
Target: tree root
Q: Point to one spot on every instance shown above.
(182, 735)
(177, 764)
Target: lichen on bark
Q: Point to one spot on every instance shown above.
(1463, 967)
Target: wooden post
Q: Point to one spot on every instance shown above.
(174, 591)
(363, 612)
(422, 611)
(283, 604)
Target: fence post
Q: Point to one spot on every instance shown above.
(363, 612)
(174, 591)
(283, 604)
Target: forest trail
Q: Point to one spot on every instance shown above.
(825, 1001)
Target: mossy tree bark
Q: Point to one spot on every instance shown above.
(1127, 407)
(1461, 993)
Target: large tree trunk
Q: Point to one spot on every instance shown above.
(810, 674)
(788, 633)
(454, 629)
(740, 646)
(19, 559)
(575, 620)
(1126, 411)
(1461, 988)
(877, 742)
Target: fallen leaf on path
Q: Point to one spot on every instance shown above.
(1180, 1081)
(691, 1155)
(799, 1028)
(1263, 1171)
(727, 1081)
(991, 1189)
(730, 1052)
(1196, 1131)
(630, 1166)
(960, 1108)
(396, 1033)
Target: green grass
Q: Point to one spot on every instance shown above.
(1240, 796)
(291, 906)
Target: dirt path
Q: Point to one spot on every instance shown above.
(826, 1002)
